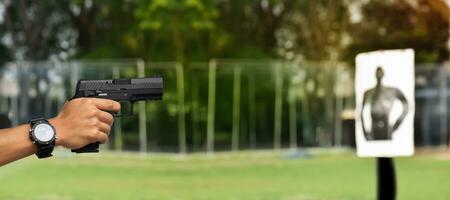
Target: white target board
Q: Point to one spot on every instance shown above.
(384, 87)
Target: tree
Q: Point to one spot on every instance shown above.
(103, 28)
(251, 27)
(177, 23)
(34, 30)
(422, 25)
(317, 30)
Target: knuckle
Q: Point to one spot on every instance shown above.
(88, 101)
(85, 102)
(96, 136)
(91, 137)
(93, 112)
(81, 100)
(73, 102)
(96, 112)
(93, 122)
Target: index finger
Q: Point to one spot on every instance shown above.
(106, 104)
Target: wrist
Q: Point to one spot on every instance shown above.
(56, 123)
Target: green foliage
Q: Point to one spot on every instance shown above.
(198, 30)
(317, 29)
(186, 15)
(251, 27)
(177, 23)
(401, 24)
(35, 30)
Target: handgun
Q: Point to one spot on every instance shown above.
(121, 90)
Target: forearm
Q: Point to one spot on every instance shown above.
(15, 144)
(80, 122)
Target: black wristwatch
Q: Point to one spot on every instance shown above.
(43, 135)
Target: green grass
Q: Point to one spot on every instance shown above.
(246, 176)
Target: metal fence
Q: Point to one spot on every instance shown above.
(225, 105)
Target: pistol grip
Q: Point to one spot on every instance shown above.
(90, 148)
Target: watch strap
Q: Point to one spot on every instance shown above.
(43, 150)
(35, 121)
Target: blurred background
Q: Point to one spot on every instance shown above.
(265, 88)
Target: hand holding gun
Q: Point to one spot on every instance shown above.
(121, 90)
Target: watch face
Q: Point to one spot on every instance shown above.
(44, 132)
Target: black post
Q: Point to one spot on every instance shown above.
(386, 183)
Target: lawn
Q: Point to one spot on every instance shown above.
(225, 176)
